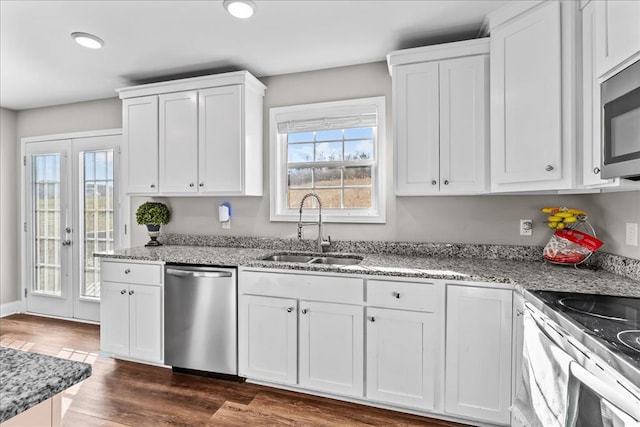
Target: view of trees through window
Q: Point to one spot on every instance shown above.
(336, 164)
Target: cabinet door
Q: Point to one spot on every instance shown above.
(145, 322)
(221, 140)
(417, 122)
(179, 142)
(268, 338)
(331, 347)
(478, 353)
(463, 124)
(591, 126)
(526, 127)
(140, 128)
(114, 318)
(403, 357)
(518, 342)
(617, 33)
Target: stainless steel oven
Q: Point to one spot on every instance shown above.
(567, 384)
(620, 97)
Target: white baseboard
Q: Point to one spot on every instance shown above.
(9, 308)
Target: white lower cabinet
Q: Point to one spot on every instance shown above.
(267, 343)
(402, 357)
(331, 347)
(478, 353)
(131, 317)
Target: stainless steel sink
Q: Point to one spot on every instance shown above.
(336, 260)
(311, 259)
(289, 258)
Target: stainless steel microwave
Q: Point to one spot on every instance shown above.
(621, 124)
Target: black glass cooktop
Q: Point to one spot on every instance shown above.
(614, 321)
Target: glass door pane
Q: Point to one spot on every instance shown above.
(46, 182)
(97, 201)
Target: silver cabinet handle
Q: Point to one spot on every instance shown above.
(66, 243)
(127, 271)
(122, 292)
(446, 182)
(434, 182)
(372, 319)
(596, 170)
(205, 274)
(549, 168)
(152, 186)
(397, 295)
(289, 309)
(131, 292)
(304, 311)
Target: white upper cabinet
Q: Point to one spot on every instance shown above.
(617, 34)
(204, 136)
(179, 142)
(140, 121)
(533, 112)
(440, 118)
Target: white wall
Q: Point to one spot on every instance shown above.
(9, 209)
(468, 219)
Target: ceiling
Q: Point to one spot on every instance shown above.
(148, 41)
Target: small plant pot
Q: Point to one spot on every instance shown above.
(154, 231)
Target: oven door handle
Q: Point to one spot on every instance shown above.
(618, 397)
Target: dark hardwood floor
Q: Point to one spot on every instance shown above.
(121, 393)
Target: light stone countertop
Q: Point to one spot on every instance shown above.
(27, 379)
(522, 275)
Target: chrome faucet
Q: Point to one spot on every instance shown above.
(321, 242)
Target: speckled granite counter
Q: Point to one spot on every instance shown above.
(27, 379)
(522, 274)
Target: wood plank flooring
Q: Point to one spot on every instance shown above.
(121, 393)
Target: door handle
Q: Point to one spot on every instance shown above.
(66, 242)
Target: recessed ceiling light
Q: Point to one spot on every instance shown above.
(88, 40)
(242, 9)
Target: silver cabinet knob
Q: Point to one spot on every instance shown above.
(122, 292)
(446, 182)
(201, 184)
(192, 185)
(152, 186)
(304, 311)
(596, 170)
(131, 292)
(67, 229)
(549, 168)
(289, 309)
(66, 243)
(519, 313)
(372, 319)
(127, 271)
(434, 182)
(397, 295)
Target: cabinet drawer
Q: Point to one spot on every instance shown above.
(404, 295)
(126, 272)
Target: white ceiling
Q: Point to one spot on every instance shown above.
(145, 41)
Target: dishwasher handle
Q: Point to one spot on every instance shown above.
(192, 273)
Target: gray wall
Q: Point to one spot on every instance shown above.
(466, 219)
(9, 208)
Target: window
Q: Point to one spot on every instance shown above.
(332, 149)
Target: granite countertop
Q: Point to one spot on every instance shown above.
(522, 275)
(27, 379)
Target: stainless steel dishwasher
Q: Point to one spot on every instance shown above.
(200, 332)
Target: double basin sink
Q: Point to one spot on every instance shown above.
(313, 259)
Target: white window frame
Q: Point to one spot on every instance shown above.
(278, 160)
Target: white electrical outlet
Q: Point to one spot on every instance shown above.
(526, 227)
(631, 234)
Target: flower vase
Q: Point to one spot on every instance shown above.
(154, 231)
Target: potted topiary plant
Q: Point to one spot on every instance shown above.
(153, 215)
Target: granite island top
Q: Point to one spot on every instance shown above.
(523, 275)
(27, 379)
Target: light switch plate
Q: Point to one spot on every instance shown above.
(631, 234)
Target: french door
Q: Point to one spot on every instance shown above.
(72, 202)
